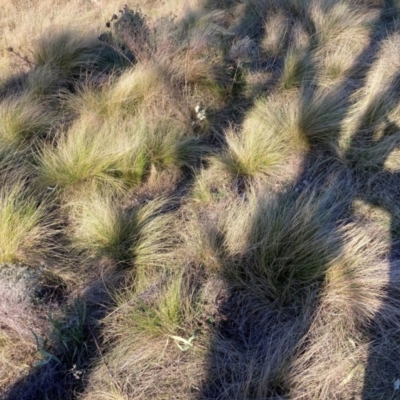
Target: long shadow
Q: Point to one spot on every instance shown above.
(381, 188)
(246, 335)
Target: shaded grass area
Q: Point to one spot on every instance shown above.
(207, 203)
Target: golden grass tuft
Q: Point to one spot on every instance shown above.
(370, 133)
(26, 231)
(23, 119)
(261, 148)
(101, 227)
(332, 18)
(276, 32)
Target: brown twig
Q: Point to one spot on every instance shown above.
(24, 58)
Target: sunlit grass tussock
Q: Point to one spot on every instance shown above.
(26, 232)
(102, 227)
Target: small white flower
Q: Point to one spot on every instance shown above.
(200, 113)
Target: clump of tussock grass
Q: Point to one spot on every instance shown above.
(203, 242)
(343, 54)
(22, 25)
(136, 90)
(298, 60)
(168, 145)
(26, 231)
(251, 374)
(80, 156)
(335, 308)
(279, 126)
(198, 45)
(202, 23)
(249, 18)
(143, 84)
(261, 148)
(282, 245)
(101, 227)
(211, 186)
(317, 119)
(381, 80)
(330, 19)
(24, 119)
(295, 67)
(336, 61)
(44, 84)
(71, 54)
(276, 34)
(165, 312)
(375, 155)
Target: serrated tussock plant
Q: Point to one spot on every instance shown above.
(26, 231)
(285, 242)
(79, 156)
(24, 119)
(102, 227)
(72, 54)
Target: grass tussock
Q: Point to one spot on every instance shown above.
(276, 31)
(371, 129)
(273, 233)
(24, 120)
(68, 53)
(26, 230)
(353, 293)
(261, 148)
(279, 127)
(331, 19)
(102, 227)
(123, 96)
